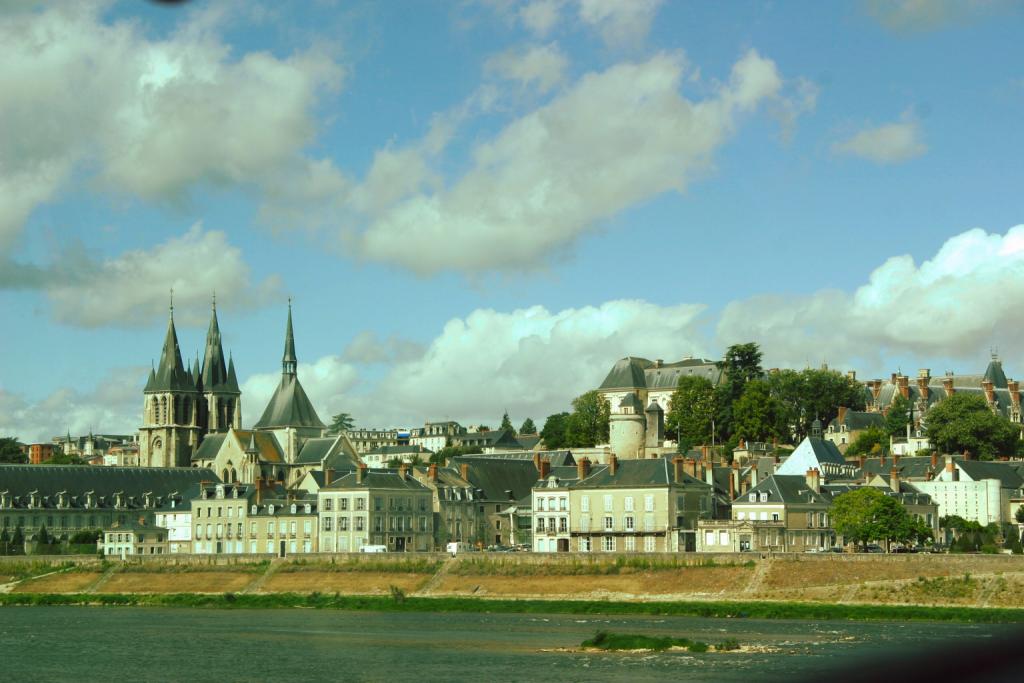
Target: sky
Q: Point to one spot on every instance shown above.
(477, 206)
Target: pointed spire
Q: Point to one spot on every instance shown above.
(289, 361)
(232, 383)
(214, 370)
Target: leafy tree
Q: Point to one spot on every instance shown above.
(554, 434)
(964, 422)
(394, 463)
(866, 514)
(588, 424)
(1019, 516)
(483, 428)
(867, 441)
(85, 536)
(757, 416)
(506, 424)
(528, 427)
(342, 422)
(442, 456)
(811, 394)
(1012, 542)
(17, 542)
(5, 541)
(691, 412)
(65, 459)
(10, 450)
(741, 364)
(898, 416)
(43, 536)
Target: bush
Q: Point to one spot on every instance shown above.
(397, 594)
(728, 645)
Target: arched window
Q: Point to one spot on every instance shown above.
(163, 411)
(154, 411)
(224, 476)
(186, 411)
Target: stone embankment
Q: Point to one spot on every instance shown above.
(959, 580)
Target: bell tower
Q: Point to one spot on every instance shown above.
(221, 405)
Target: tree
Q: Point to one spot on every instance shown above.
(394, 462)
(65, 459)
(871, 440)
(964, 422)
(757, 416)
(528, 427)
(17, 542)
(1012, 542)
(5, 541)
(43, 536)
(483, 428)
(1019, 516)
(554, 432)
(741, 364)
(10, 450)
(342, 422)
(506, 424)
(691, 412)
(866, 514)
(588, 424)
(811, 394)
(442, 456)
(898, 417)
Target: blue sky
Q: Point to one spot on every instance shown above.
(479, 206)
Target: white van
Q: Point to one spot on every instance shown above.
(374, 549)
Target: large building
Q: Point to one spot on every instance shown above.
(183, 405)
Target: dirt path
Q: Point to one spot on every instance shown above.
(106, 576)
(757, 580)
(435, 581)
(8, 587)
(261, 579)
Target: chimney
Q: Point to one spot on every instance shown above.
(690, 467)
(259, 490)
(904, 384)
(677, 469)
(967, 455)
(705, 453)
(935, 459)
(464, 470)
(734, 478)
(861, 459)
(947, 385)
(892, 378)
(895, 459)
(881, 459)
(536, 460)
(924, 376)
(613, 464)
(403, 471)
(990, 393)
(842, 415)
(545, 468)
(360, 473)
(743, 444)
(1013, 386)
(432, 471)
(583, 468)
(814, 480)
(732, 488)
(328, 476)
(851, 375)
(894, 479)
(952, 474)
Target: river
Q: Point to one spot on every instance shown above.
(197, 645)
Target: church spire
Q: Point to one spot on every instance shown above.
(289, 361)
(170, 374)
(215, 371)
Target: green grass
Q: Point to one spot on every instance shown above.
(403, 566)
(717, 609)
(603, 640)
(166, 568)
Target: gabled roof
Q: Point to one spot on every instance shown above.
(977, 470)
(812, 453)
(289, 407)
(635, 474)
(494, 476)
(784, 488)
(315, 450)
(377, 479)
(859, 419)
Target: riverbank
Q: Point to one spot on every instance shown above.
(401, 603)
(727, 583)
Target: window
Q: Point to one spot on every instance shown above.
(764, 515)
(585, 503)
(584, 545)
(328, 521)
(753, 497)
(709, 538)
(608, 543)
(563, 503)
(764, 497)
(540, 525)
(360, 503)
(649, 544)
(292, 528)
(252, 510)
(378, 503)
(629, 503)
(282, 527)
(343, 504)
(328, 504)
(630, 542)
(231, 512)
(775, 516)
(741, 515)
(563, 525)
(551, 525)
(423, 523)
(723, 538)
(609, 524)
(252, 530)
(342, 523)
(585, 523)
(628, 522)
(648, 503)
(270, 528)
(220, 530)
(607, 503)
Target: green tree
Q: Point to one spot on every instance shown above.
(342, 422)
(871, 440)
(964, 422)
(506, 424)
(811, 394)
(691, 412)
(757, 416)
(866, 514)
(588, 423)
(741, 364)
(10, 450)
(442, 456)
(5, 541)
(17, 542)
(394, 463)
(483, 428)
(61, 458)
(1012, 542)
(528, 427)
(1019, 516)
(898, 416)
(43, 536)
(554, 434)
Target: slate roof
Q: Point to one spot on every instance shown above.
(994, 373)
(791, 489)
(399, 450)
(631, 400)
(635, 474)
(857, 420)
(133, 525)
(496, 476)
(1009, 477)
(811, 453)
(289, 406)
(315, 450)
(215, 375)
(556, 458)
(490, 439)
(377, 479)
(528, 441)
(49, 480)
(639, 373)
(170, 374)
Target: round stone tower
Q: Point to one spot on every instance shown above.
(627, 428)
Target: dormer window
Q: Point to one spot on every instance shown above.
(253, 510)
(270, 509)
(753, 497)
(294, 508)
(764, 497)
(308, 508)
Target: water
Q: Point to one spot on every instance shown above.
(158, 644)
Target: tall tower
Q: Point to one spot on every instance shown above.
(170, 431)
(221, 407)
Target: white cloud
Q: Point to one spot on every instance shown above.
(367, 347)
(923, 15)
(544, 65)
(954, 305)
(614, 139)
(113, 408)
(541, 16)
(133, 288)
(620, 23)
(891, 143)
(148, 117)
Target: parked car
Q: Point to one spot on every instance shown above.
(374, 549)
(873, 548)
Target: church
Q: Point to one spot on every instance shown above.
(193, 418)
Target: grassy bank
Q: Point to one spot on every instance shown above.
(624, 564)
(398, 602)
